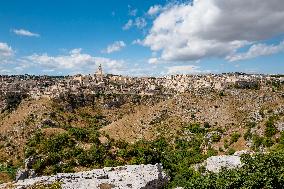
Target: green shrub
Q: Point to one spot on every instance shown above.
(234, 137)
(11, 170)
(79, 134)
(206, 125)
(250, 125)
(216, 137)
(257, 141)
(231, 151)
(268, 142)
(226, 144)
(270, 129)
(195, 128)
(248, 134)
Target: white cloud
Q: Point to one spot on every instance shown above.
(128, 25)
(4, 71)
(153, 60)
(5, 51)
(116, 46)
(137, 42)
(154, 10)
(257, 50)
(213, 28)
(139, 23)
(27, 33)
(73, 61)
(186, 69)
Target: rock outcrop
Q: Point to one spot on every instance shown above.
(129, 176)
(216, 163)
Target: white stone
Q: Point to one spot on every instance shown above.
(124, 177)
(216, 163)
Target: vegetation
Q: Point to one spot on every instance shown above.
(55, 185)
(10, 170)
(270, 129)
(79, 146)
(13, 99)
(235, 137)
(259, 171)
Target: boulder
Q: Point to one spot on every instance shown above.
(216, 163)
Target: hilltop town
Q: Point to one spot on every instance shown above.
(52, 86)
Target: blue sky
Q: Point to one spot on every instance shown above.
(161, 37)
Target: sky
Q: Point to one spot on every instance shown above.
(141, 37)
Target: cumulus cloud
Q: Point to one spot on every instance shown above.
(154, 10)
(257, 50)
(116, 46)
(213, 28)
(75, 60)
(5, 51)
(139, 23)
(185, 69)
(26, 33)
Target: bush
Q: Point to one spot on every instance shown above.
(195, 128)
(268, 142)
(257, 141)
(231, 151)
(10, 170)
(226, 145)
(270, 129)
(251, 125)
(216, 137)
(79, 134)
(206, 125)
(248, 134)
(234, 137)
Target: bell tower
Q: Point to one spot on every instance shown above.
(99, 72)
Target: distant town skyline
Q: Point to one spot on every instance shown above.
(141, 38)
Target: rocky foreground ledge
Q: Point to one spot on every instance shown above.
(129, 176)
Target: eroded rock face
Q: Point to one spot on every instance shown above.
(130, 176)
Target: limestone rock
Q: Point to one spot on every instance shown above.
(129, 176)
(216, 163)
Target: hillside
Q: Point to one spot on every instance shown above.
(230, 110)
(75, 133)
